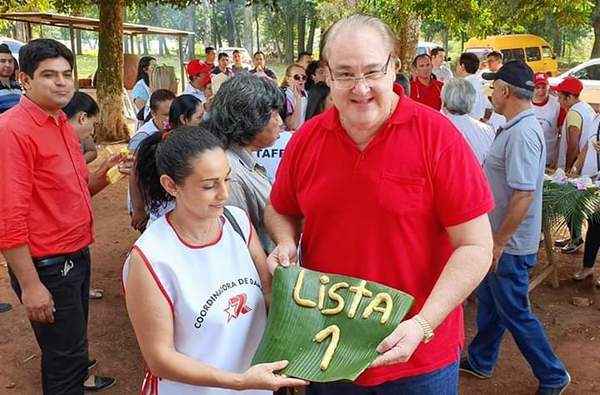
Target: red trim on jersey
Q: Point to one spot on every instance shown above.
(189, 245)
(155, 277)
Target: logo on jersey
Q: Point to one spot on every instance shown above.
(237, 306)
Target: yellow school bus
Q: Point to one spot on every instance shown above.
(529, 48)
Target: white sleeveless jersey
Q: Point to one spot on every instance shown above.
(215, 295)
(547, 116)
(591, 163)
(587, 114)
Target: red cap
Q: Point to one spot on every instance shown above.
(570, 85)
(196, 67)
(540, 78)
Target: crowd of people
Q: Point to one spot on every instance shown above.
(430, 184)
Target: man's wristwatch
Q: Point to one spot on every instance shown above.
(427, 331)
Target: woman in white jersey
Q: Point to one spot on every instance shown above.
(196, 280)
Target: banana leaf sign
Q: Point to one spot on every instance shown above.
(328, 326)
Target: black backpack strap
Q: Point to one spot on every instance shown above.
(234, 223)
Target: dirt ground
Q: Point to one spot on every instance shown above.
(573, 331)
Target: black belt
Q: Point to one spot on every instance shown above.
(60, 259)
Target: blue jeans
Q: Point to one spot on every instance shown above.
(504, 304)
(443, 381)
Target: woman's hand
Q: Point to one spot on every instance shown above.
(264, 376)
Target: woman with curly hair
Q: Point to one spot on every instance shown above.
(245, 116)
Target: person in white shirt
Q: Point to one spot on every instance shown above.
(458, 97)
(440, 70)
(185, 110)
(295, 95)
(579, 127)
(197, 334)
(547, 111)
(199, 74)
(466, 68)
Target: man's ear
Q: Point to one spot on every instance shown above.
(25, 80)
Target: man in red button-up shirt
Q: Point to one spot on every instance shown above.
(46, 222)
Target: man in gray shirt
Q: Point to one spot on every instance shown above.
(515, 170)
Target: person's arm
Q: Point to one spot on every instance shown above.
(285, 231)
(17, 175)
(35, 296)
(292, 121)
(260, 262)
(573, 137)
(152, 321)
(575, 170)
(515, 214)
(98, 180)
(466, 267)
(90, 151)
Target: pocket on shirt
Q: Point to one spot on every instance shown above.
(401, 194)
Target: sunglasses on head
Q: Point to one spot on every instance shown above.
(299, 77)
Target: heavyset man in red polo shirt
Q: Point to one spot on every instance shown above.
(386, 189)
(46, 221)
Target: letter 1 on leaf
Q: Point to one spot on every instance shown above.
(334, 332)
(297, 298)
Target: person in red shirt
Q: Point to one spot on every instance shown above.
(424, 88)
(46, 222)
(387, 190)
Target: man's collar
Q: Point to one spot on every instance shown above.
(517, 118)
(39, 115)
(245, 157)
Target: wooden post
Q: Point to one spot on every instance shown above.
(75, 75)
(182, 67)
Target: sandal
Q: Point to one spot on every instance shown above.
(96, 293)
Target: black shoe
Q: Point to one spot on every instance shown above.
(100, 383)
(466, 367)
(572, 246)
(4, 307)
(554, 391)
(561, 243)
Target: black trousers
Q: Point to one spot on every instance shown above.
(592, 244)
(64, 343)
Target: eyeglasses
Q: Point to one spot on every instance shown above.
(299, 77)
(345, 81)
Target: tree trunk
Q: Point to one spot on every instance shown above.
(21, 32)
(301, 31)
(193, 24)
(257, 28)
(145, 44)
(112, 126)
(408, 37)
(163, 48)
(248, 16)
(446, 35)
(289, 42)
(557, 39)
(596, 26)
(230, 23)
(215, 25)
(311, 34)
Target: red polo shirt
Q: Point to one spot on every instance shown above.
(381, 214)
(430, 95)
(44, 197)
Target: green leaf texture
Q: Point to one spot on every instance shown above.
(291, 328)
